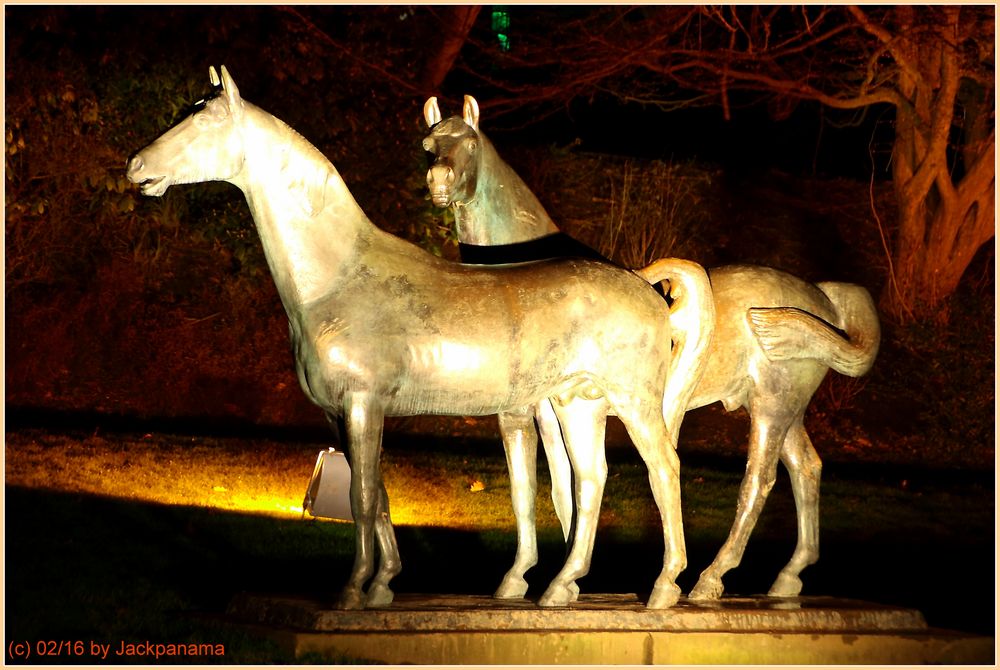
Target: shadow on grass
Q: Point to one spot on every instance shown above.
(90, 568)
(87, 568)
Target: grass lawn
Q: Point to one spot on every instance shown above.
(129, 537)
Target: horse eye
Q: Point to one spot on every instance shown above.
(192, 109)
(472, 144)
(428, 145)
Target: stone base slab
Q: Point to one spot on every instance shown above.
(609, 629)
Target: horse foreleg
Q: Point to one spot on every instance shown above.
(560, 470)
(583, 423)
(767, 433)
(805, 468)
(379, 594)
(520, 443)
(363, 421)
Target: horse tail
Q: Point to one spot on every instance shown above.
(848, 346)
(692, 323)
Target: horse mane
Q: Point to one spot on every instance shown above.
(503, 185)
(501, 169)
(307, 174)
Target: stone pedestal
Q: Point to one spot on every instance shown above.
(609, 629)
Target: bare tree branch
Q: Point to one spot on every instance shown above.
(323, 37)
(929, 64)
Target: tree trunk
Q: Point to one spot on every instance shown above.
(945, 201)
(457, 22)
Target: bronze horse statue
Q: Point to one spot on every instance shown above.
(775, 336)
(380, 328)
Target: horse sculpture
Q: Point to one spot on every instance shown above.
(382, 328)
(775, 338)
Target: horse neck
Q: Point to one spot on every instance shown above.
(309, 223)
(503, 209)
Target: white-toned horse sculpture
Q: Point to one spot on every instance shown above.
(382, 328)
(775, 337)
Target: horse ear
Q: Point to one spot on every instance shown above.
(231, 92)
(470, 112)
(213, 76)
(432, 113)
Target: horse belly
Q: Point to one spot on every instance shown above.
(453, 376)
(616, 338)
(727, 376)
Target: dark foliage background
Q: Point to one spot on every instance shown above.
(120, 307)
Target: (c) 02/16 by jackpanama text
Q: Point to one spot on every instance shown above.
(25, 650)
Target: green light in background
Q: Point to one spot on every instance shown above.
(500, 22)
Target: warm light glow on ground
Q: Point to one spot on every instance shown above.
(263, 504)
(150, 471)
(245, 476)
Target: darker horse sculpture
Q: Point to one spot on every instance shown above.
(382, 328)
(775, 336)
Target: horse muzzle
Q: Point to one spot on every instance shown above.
(152, 185)
(441, 197)
(440, 179)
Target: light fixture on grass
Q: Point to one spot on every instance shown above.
(329, 492)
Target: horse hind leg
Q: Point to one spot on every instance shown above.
(805, 468)
(560, 470)
(767, 433)
(520, 443)
(658, 448)
(583, 425)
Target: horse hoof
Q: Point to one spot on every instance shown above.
(557, 596)
(379, 596)
(664, 597)
(706, 589)
(785, 586)
(574, 588)
(512, 588)
(350, 600)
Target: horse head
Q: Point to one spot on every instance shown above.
(455, 144)
(204, 146)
